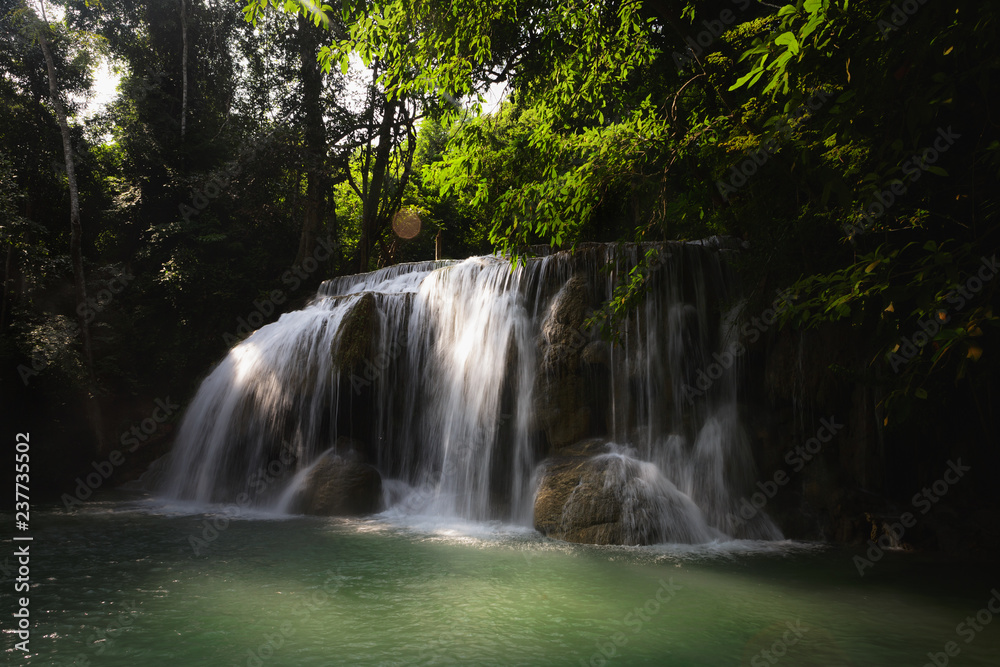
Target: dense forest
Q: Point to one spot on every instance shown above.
(255, 149)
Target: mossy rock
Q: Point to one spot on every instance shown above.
(353, 344)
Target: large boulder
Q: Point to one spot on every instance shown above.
(590, 494)
(341, 486)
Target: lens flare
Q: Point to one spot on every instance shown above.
(406, 223)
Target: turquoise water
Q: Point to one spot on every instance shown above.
(120, 583)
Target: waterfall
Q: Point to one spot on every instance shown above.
(475, 389)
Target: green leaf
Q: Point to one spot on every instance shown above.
(752, 77)
(788, 39)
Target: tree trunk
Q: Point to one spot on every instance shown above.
(6, 284)
(184, 69)
(311, 76)
(75, 241)
(371, 217)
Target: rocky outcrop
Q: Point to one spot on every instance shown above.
(596, 353)
(341, 486)
(576, 479)
(592, 495)
(563, 335)
(561, 401)
(357, 331)
(561, 410)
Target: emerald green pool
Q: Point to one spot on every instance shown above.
(119, 583)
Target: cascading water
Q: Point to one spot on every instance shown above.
(455, 388)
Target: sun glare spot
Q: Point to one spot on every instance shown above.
(406, 223)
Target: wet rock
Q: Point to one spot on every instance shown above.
(591, 447)
(561, 405)
(354, 343)
(590, 495)
(342, 486)
(596, 353)
(596, 516)
(563, 336)
(561, 410)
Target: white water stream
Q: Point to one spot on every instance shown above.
(444, 402)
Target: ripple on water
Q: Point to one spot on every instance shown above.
(382, 590)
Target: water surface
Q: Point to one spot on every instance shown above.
(124, 582)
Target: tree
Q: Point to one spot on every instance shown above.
(786, 125)
(76, 232)
(184, 69)
(381, 138)
(385, 161)
(317, 178)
